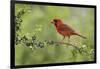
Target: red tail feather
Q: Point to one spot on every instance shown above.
(81, 36)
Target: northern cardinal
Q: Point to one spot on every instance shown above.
(63, 29)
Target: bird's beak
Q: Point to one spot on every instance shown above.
(52, 21)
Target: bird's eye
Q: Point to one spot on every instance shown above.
(55, 21)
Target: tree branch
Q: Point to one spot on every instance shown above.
(68, 45)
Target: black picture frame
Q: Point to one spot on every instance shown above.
(12, 35)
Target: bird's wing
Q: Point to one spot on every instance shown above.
(65, 27)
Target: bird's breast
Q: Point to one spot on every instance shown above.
(64, 32)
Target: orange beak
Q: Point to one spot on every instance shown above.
(52, 21)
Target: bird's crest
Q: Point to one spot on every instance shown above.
(56, 18)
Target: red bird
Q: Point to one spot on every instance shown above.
(64, 29)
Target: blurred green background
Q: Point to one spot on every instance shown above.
(37, 19)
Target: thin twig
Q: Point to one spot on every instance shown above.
(68, 45)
